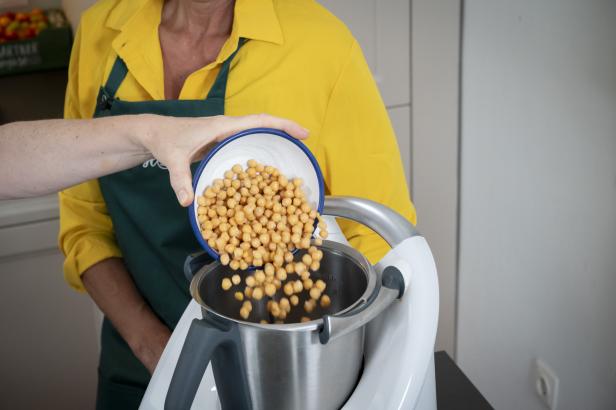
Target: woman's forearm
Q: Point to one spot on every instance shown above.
(41, 157)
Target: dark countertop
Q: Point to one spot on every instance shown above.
(453, 389)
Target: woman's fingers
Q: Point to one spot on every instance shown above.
(219, 128)
(180, 178)
(232, 125)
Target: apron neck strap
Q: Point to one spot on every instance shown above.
(116, 76)
(219, 88)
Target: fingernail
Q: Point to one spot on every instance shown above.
(182, 196)
(306, 130)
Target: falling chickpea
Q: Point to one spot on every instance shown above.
(226, 284)
(325, 301)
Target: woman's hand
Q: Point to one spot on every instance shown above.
(176, 142)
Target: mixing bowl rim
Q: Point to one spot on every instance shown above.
(315, 324)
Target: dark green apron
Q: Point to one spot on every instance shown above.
(153, 232)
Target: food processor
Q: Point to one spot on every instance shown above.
(372, 348)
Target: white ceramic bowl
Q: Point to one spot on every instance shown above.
(267, 146)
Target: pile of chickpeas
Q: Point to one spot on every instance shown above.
(257, 217)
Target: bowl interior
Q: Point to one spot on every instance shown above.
(269, 147)
(347, 280)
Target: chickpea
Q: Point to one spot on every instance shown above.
(234, 264)
(263, 322)
(323, 233)
(252, 163)
(281, 274)
(224, 259)
(237, 253)
(305, 242)
(307, 259)
(304, 319)
(259, 276)
(318, 255)
(248, 292)
(300, 268)
(298, 286)
(314, 266)
(307, 283)
(320, 285)
(285, 304)
(275, 309)
(243, 265)
(288, 289)
(226, 284)
(270, 289)
(315, 293)
(250, 281)
(278, 260)
(309, 305)
(244, 313)
(325, 301)
(239, 296)
(294, 300)
(257, 293)
(269, 269)
(235, 279)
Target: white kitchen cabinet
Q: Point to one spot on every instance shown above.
(400, 119)
(48, 347)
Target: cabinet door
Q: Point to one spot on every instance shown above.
(382, 28)
(401, 121)
(48, 345)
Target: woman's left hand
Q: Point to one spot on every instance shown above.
(176, 142)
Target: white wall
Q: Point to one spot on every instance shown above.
(435, 58)
(538, 204)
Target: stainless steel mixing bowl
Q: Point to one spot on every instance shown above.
(299, 366)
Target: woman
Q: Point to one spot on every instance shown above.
(124, 239)
(41, 157)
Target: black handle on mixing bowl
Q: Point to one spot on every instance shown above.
(204, 340)
(194, 262)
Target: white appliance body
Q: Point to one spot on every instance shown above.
(399, 352)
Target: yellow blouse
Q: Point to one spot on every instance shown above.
(301, 63)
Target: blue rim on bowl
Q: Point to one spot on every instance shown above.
(191, 209)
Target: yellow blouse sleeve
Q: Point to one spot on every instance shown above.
(361, 153)
(86, 232)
